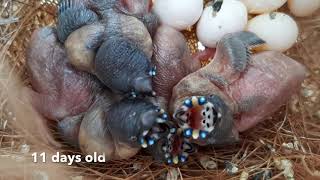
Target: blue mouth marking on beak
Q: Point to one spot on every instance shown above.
(165, 116)
(183, 159)
(202, 101)
(188, 103)
(187, 133)
(203, 134)
(151, 142)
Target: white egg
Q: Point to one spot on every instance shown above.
(263, 6)
(302, 8)
(279, 30)
(232, 17)
(179, 14)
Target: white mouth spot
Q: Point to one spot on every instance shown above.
(184, 117)
(185, 154)
(186, 146)
(184, 108)
(145, 132)
(155, 136)
(210, 115)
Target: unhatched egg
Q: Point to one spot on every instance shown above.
(302, 8)
(263, 6)
(279, 30)
(220, 18)
(180, 14)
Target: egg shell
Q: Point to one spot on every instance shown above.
(263, 6)
(179, 14)
(279, 30)
(302, 8)
(232, 17)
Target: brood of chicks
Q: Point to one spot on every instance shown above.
(116, 79)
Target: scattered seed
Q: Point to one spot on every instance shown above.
(201, 46)
(137, 166)
(264, 175)
(231, 168)
(172, 174)
(24, 148)
(286, 166)
(288, 147)
(207, 163)
(244, 175)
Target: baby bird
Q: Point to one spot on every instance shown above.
(235, 91)
(116, 47)
(117, 128)
(59, 90)
(89, 116)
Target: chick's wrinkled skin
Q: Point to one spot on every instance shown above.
(235, 91)
(59, 90)
(119, 39)
(141, 9)
(173, 61)
(269, 83)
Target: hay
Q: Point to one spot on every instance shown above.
(291, 136)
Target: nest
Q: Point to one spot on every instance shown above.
(287, 144)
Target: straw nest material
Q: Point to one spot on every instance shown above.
(286, 145)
